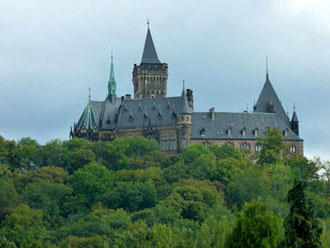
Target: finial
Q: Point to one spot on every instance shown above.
(294, 106)
(183, 85)
(267, 67)
(89, 93)
(148, 21)
(111, 55)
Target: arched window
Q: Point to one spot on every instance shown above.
(245, 146)
(293, 149)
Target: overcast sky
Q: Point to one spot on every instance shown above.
(51, 51)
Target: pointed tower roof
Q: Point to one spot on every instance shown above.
(185, 105)
(268, 101)
(112, 83)
(87, 119)
(294, 117)
(149, 52)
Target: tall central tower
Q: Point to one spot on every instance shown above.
(150, 77)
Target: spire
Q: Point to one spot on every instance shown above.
(185, 105)
(294, 115)
(294, 121)
(183, 86)
(149, 52)
(112, 83)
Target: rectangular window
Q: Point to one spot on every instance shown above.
(164, 144)
(172, 143)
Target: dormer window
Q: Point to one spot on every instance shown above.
(202, 131)
(243, 131)
(285, 132)
(228, 131)
(256, 132)
(131, 118)
(108, 120)
(173, 114)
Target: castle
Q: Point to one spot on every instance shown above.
(172, 122)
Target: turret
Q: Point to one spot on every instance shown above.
(184, 121)
(295, 122)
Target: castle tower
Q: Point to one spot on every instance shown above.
(184, 121)
(150, 77)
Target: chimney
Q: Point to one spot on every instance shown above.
(212, 113)
(122, 100)
(128, 96)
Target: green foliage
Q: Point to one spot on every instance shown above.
(256, 227)
(51, 174)
(52, 195)
(132, 196)
(24, 227)
(271, 147)
(84, 242)
(302, 230)
(91, 182)
(46, 196)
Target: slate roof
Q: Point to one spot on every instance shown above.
(203, 127)
(108, 114)
(268, 93)
(185, 109)
(157, 112)
(149, 52)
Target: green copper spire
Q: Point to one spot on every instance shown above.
(112, 83)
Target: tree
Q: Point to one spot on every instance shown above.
(25, 227)
(27, 153)
(132, 196)
(302, 230)
(50, 173)
(84, 242)
(91, 182)
(46, 196)
(255, 227)
(79, 158)
(271, 147)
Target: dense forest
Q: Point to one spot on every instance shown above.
(128, 193)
